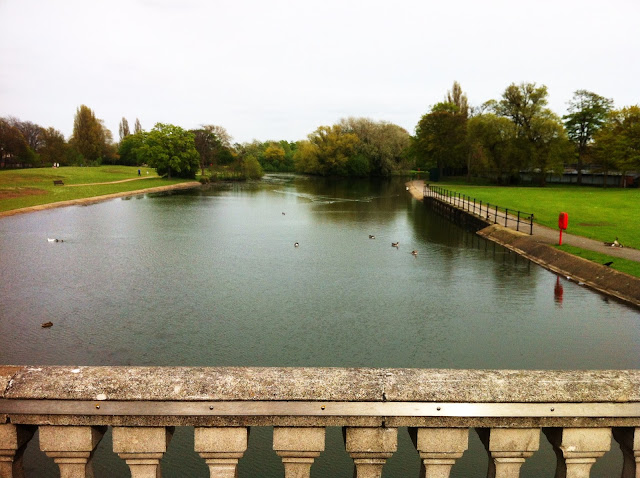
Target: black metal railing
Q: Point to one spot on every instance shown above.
(490, 212)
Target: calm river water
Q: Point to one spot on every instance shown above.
(212, 277)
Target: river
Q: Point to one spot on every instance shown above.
(212, 277)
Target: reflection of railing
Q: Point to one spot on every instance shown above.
(490, 212)
(578, 411)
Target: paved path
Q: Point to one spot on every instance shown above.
(551, 236)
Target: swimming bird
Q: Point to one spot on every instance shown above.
(295, 244)
(283, 214)
(47, 324)
(371, 236)
(395, 244)
(414, 252)
(54, 240)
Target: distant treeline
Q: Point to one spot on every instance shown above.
(497, 140)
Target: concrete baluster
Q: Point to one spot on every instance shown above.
(298, 447)
(221, 448)
(370, 448)
(439, 449)
(577, 449)
(71, 447)
(508, 448)
(629, 440)
(13, 441)
(142, 448)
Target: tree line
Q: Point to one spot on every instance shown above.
(498, 139)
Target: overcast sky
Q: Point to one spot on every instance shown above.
(279, 69)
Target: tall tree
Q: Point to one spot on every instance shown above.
(89, 137)
(490, 138)
(587, 111)
(123, 128)
(540, 141)
(137, 128)
(458, 98)
(440, 138)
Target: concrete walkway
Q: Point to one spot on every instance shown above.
(550, 236)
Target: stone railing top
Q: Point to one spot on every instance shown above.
(317, 384)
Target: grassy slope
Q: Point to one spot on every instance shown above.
(601, 214)
(622, 265)
(31, 187)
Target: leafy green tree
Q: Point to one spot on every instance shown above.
(326, 152)
(129, 148)
(274, 154)
(540, 143)
(617, 142)
(383, 146)
(490, 138)
(14, 149)
(54, 148)
(31, 132)
(90, 138)
(251, 168)
(440, 139)
(587, 112)
(171, 150)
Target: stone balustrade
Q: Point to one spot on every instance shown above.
(579, 412)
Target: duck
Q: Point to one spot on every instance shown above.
(283, 213)
(414, 252)
(395, 244)
(50, 239)
(371, 236)
(295, 244)
(46, 324)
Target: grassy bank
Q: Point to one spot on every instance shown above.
(32, 187)
(601, 214)
(619, 264)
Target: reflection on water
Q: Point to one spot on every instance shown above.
(212, 277)
(558, 292)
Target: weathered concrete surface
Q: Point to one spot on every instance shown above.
(596, 276)
(320, 384)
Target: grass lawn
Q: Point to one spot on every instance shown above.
(619, 264)
(31, 187)
(601, 214)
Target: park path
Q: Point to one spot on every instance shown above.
(545, 234)
(112, 182)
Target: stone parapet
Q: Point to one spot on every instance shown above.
(578, 411)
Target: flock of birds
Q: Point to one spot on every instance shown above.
(371, 236)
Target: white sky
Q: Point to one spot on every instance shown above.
(278, 69)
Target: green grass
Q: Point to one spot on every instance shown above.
(619, 264)
(601, 214)
(32, 187)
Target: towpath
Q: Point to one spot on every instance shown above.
(550, 236)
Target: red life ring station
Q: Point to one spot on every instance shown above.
(563, 223)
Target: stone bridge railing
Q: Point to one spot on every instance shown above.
(578, 412)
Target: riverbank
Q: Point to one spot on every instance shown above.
(97, 199)
(537, 248)
(590, 274)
